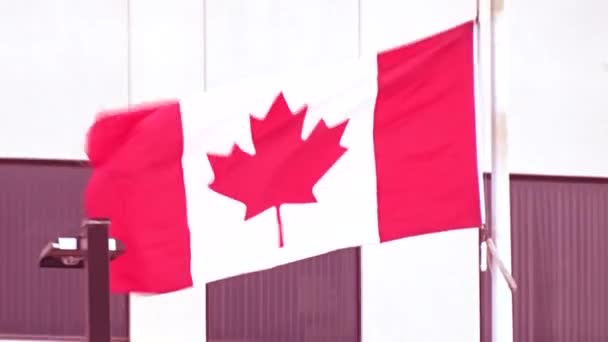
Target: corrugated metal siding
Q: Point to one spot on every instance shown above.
(560, 257)
(38, 202)
(313, 300)
(559, 233)
(559, 237)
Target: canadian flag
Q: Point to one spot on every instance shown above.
(269, 171)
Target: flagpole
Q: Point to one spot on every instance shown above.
(500, 220)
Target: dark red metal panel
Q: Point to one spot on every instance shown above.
(559, 237)
(560, 258)
(313, 300)
(38, 202)
(485, 280)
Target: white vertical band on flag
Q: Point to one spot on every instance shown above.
(223, 244)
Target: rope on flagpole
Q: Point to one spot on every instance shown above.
(501, 266)
(493, 256)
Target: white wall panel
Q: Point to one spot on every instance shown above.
(166, 61)
(388, 23)
(558, 103)
(424, 288)
(166, 48)
(61, 61)
(255, 38)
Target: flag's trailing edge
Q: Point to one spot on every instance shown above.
(137, 183)
(421, 166)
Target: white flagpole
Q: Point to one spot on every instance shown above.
(500, 220)
(481, 115)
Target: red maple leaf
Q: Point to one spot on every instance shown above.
(284, 168)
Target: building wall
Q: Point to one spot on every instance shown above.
(559, 256)
(557, 81)
(316, 299)
(65, 61)
(60, 62)
(312, 300)
(38, 203)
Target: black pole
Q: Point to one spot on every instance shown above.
(94, 241)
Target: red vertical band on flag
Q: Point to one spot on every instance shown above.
(424, 136)
(138, 183)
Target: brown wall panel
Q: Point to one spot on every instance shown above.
(313, 300)
(559, 234)
(560, 258)
(559, 238)
(485, 281)
(38, 202)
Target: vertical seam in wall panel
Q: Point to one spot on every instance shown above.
(129, 59)
(359, 30)
(204, 45)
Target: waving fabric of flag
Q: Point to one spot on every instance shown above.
(265, 172)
